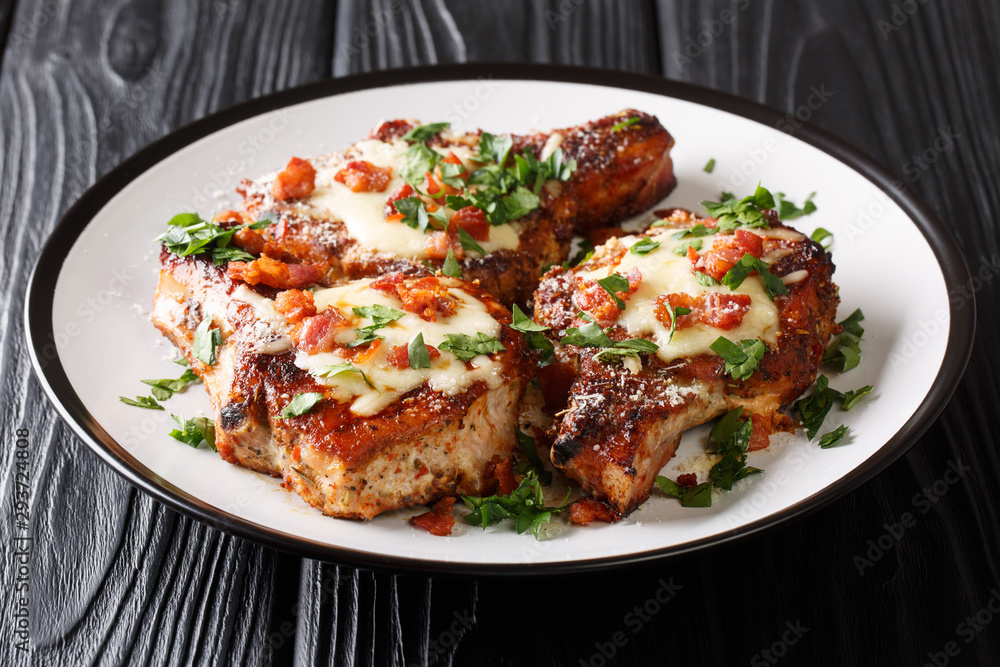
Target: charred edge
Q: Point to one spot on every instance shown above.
(564, 449)
(233, 415)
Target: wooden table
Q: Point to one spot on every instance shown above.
(116, 577)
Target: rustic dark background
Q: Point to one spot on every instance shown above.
(116, 577)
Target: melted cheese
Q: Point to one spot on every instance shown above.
(663, 272)
(447, 374)
(363, 213)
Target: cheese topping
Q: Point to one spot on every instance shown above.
(363, 213)
(664, 272)
(447, 374)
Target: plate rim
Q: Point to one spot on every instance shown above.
(50, 374)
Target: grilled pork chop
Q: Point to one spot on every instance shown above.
(625, 414)
(382, 205)
(383, 435)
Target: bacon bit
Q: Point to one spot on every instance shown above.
(402, 192)
(727, 251)
(296, 181)
(275, 273)
(425, 297)
(501, 469)
(362, 353)
(400, 356)
(454, 159)
(297, 454)
(760, 437)
(438, 521)
(363, 176)
(295, 305)
(722, 311)
(318, 333)
(391, 129)
(555, 381)
(587, 510)
(438, 244)
(423, 471)
(250, 240)
(229, 216)
(595, 299)
(688, 480)
(433, 184)
(472, 220)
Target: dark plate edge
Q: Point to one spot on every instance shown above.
(38, 311)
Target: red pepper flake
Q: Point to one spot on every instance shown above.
(423, 471)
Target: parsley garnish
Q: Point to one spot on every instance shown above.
(147, 402)
(736, 275)
(626, 123)
(695, 496)
(632, 347)
(337, 369)
(466, 347)
(205, 342)
(747, 212)
(525, 504)
(742, 359)
(192, 432)
(420, 159)
(682, 249)
(164, 389)
(530, 451)
(592, 335)
(833, 437)
(705, 280)
(845, 350)
(615, 283)
(789, 211)
(696, 231)
(820, 235)
(532, 333)
(852, 397)
(380, 316)
(709, 166)
(468, 243)
(732, 437)
(420, 357)
(425, 132)
(589, 335)
(586, 252)
(451, 267)
(301, 404)
(644, 246)
(493, 148)
(188, 234)
(674, 314)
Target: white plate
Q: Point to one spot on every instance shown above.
(91, 340)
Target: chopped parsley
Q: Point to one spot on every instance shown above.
(815, 407)
(380, 316)
(466, 347)
(709, 166)
(193, 432)
(451, 267)
(820, 234)
(165, 388)
(525, 504)
(415, 214)
(674, 314)
(834, 437)
(618, 127)
(301, 404)
(612, 285)
(188, 234)
(425, 132)
(147, 402)
(732, 438)
(532, 333)
(682, 249)
(695, 496)
(845, 350)
(589, 335)
(530, 450)
(741, 359)
(205, 342)
(338, 369)
(494, 148)
(586, 252)
(468, 243)
(789, 211)
(705, 280)
(736, 275)
(852, 397)
(747, 212)
(632, 347)
(417, 351)
(697, 230)
(644, 246)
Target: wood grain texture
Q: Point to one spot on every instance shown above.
(117, 578)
